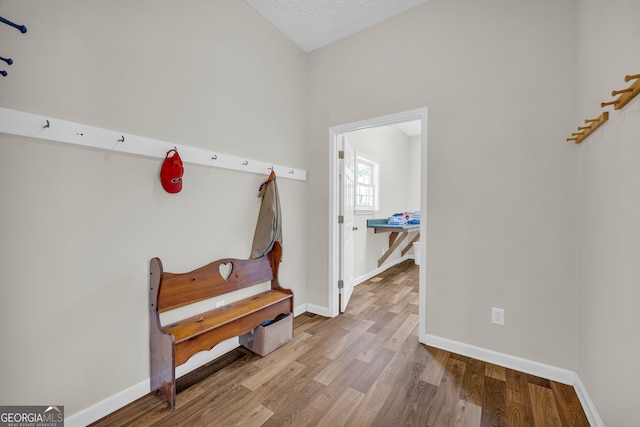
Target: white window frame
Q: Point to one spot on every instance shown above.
(375, 165)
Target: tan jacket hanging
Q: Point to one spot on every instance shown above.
(269, 226)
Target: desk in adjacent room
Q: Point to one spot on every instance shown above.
(397, 236)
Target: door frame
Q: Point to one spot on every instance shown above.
(334, 182)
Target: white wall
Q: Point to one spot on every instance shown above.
(498, 78)
(79, 226)
(393, 149)
(608, 211)
(505, 224)
(413, 164)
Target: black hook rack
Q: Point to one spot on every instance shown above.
(9, 61)
(20, 28)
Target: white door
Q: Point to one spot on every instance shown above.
(347, 205)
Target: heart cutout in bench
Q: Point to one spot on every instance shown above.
(225, 270)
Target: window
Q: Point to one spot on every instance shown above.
(367, 199)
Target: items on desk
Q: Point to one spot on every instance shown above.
(404, 218)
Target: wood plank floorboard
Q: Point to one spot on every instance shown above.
(362, 368)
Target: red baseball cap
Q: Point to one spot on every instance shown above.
(171, 172)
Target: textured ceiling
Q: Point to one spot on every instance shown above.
(312, 24)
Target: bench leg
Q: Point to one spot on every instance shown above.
(163, 372)
(168, 391)
(162, 345)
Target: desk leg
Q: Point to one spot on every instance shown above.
(415, 239)
(393, 245)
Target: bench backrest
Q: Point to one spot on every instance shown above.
(217, 278)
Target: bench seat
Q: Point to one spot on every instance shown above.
(225, 322)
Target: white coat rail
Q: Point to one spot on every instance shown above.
(43, 127)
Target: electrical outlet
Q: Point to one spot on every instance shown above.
(497, 316)
(219, 303)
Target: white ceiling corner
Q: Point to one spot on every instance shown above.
(412, 128)
(312, 24)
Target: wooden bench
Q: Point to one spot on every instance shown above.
(173, 344)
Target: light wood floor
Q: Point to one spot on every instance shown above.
(363, 368)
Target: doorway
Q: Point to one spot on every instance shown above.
(335, 262)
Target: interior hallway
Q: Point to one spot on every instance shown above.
(363, 368)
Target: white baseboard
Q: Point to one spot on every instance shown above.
(318, 309)
(123, 398)
(374, 273)
(527, 366)
(105, 407)
(587, 404)
(324, 311)
(538, 369)
(297, 311)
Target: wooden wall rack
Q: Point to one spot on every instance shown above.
(625, 95)
(592, 125)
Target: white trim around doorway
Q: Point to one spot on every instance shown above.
(334, 261)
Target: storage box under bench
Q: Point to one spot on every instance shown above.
(262, 340)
